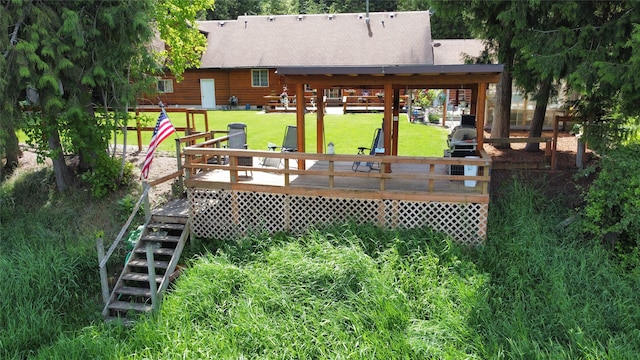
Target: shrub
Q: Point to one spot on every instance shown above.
(104, 176)
(613, 202)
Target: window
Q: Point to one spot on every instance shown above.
(165, 86)
(259, 77)
(333, 93)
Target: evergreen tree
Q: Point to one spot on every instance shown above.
(72, 56)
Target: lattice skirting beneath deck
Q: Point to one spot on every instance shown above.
(226, 214)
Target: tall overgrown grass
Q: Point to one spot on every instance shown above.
(553, 295)
(48, 271)
(324, 295)
(534, 290)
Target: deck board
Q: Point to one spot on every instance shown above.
(174, 208)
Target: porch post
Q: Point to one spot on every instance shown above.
(320, 120)
(300, 110)
(444, 107)
(473, 106)
(387, 124)
(481, 106)
(396, 112)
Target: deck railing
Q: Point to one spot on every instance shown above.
(401, 177)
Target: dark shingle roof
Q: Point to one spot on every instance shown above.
(400, 38)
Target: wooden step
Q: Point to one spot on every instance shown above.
(140, 277)
(143, 263)
(166, 226)
(170, 219)
(163, 238)
(134, 291)
(128, 306)
(158, 251)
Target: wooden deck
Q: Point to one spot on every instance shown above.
(307, 190)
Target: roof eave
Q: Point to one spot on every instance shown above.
(391, 70)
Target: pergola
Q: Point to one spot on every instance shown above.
(392, 79)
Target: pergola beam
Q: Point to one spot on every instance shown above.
(397, 81)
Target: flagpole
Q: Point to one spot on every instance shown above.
(162, 106)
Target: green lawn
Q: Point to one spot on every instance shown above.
(347, 132)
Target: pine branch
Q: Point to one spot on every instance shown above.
(14, 36)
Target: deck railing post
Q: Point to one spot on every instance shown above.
(179, 161)
(103, 271)
(286, 173)
(331, 170)
(153, 287)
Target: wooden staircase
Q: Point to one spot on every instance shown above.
(162, 239)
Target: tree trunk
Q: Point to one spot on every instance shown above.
(124, 144)
(62, 172)
(502, 115)
(11, 150)
(542, 99)
(87, 154)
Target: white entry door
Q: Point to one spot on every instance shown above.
(208, 93)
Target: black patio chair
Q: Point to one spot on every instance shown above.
(238, 140)
(377, 147)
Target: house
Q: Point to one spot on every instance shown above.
(242, 55)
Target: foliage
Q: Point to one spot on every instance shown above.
(78, 55)
(613, 203)
(48, 260)
(70, 55)
(176, 22)
(231, 9)
(591, 46)
(531, 291)
(425, 97)
(552, 295)
(126, 206)
(104, 176)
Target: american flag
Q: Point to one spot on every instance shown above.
(163, 130)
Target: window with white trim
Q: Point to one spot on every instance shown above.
(259, 78)
(333, 93)
(165, 86)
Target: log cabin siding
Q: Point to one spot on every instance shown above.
(228, 82)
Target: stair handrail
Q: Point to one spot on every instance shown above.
(125, 227)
